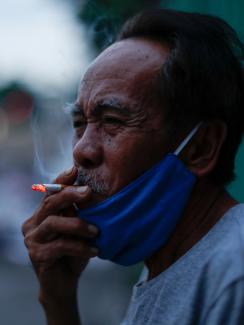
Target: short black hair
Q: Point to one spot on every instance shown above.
(202, 78)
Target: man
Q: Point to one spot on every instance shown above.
(158, 120)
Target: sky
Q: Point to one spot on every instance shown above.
(42, 44)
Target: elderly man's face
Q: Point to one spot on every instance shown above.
(119, 126)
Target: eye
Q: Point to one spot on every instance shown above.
(78, 124)
(79, 127)
(112, 120)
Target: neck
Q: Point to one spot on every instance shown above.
(208, 203)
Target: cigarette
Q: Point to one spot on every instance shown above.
(48, 188)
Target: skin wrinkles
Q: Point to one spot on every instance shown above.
(128, 120)
(110, 105)
(118, 133)
(109, 110)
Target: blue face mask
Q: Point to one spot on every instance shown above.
(139, 219)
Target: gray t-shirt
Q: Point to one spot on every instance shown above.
(203, 287)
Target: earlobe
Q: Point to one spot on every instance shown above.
(204, 153)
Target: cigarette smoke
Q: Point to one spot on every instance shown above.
(51, 128)
(52, 141)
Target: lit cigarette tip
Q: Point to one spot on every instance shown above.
(38, 188)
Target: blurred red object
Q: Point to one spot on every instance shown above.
(38, 188)
(18, 105)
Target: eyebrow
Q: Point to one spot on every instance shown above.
(111, 104)
(73, 109)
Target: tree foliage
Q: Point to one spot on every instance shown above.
(105, 17)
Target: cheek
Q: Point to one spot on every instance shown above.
(114, 151)
(128, 155)
(124, 158)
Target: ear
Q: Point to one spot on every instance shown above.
(202, 153)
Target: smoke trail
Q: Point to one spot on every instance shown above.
(52, 135)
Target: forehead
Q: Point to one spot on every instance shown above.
(123, 68)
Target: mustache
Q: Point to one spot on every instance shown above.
(93, 180)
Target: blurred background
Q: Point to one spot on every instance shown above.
(46, 46)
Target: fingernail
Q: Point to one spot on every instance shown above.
(82, 189)
(69, 171)
(93, 229)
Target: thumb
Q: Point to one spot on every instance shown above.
(67, 177)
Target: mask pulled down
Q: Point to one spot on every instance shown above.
(139, 219)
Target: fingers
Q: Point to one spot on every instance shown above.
(60, 247)
(57, 225)
(47, 227)
(53, 234)
(65, 198)
(26, 226)
(55, 203)
(60, 236)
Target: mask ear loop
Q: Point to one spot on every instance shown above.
(187, 139)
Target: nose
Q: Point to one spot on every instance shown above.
(88, 150)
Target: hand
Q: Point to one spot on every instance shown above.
(58, 242)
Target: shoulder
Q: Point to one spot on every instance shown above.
(227, 307)
(225, 263)
(230, 246)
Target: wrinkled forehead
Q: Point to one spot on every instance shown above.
(127, 59)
